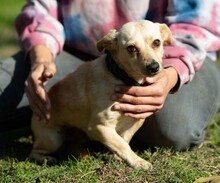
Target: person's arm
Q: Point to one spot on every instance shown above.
(38, 24)
(41, 36)
(196, 31)
(195, 26)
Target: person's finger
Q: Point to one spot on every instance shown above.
(35, 109)
(124, 98)
(140, 91)
(49, 71)
(37, 83)
(138, 112)
(136, 108)
(139, 115)
(150, 80)
(38, 99)
(32, 101)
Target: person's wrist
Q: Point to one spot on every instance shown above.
(173, 77)
(40, 54)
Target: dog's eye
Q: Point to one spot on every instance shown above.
(132, 49)
(156, 43)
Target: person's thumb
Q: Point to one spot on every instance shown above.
(49, 71)
(150, 80)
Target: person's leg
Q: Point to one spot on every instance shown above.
(14, 110)
(13, 104)
(186, 114)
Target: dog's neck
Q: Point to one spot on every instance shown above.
(119, 73)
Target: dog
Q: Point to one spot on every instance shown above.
(82, 98)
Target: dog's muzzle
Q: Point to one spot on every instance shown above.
(153, 68)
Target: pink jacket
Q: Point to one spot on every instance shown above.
(195, 26)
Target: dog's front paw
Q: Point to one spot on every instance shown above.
(143, 164)
(116, 157)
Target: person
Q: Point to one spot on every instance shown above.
(57, 36)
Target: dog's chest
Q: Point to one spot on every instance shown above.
(127, 124)
(117, 120)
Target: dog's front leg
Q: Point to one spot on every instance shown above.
(114, 142)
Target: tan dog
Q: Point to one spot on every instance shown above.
(82, 99)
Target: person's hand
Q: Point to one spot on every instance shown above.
(141, 102)
(42, 69)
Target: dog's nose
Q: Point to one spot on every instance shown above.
(153, 67)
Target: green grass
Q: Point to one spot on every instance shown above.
(8, 38)
(100, 166)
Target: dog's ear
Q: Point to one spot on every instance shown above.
(166, 34)
(107, 42)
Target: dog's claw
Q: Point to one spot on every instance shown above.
(143, 164)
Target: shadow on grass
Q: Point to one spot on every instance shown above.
(16, 144)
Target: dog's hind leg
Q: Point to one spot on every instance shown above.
(114, 142)
(48, 139)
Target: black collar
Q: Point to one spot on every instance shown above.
(118, 72)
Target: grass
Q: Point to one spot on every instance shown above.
(8, 37)
(100, 166)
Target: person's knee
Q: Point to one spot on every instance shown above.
(176, 135)
(184, 139)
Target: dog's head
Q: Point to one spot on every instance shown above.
(137, 47)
